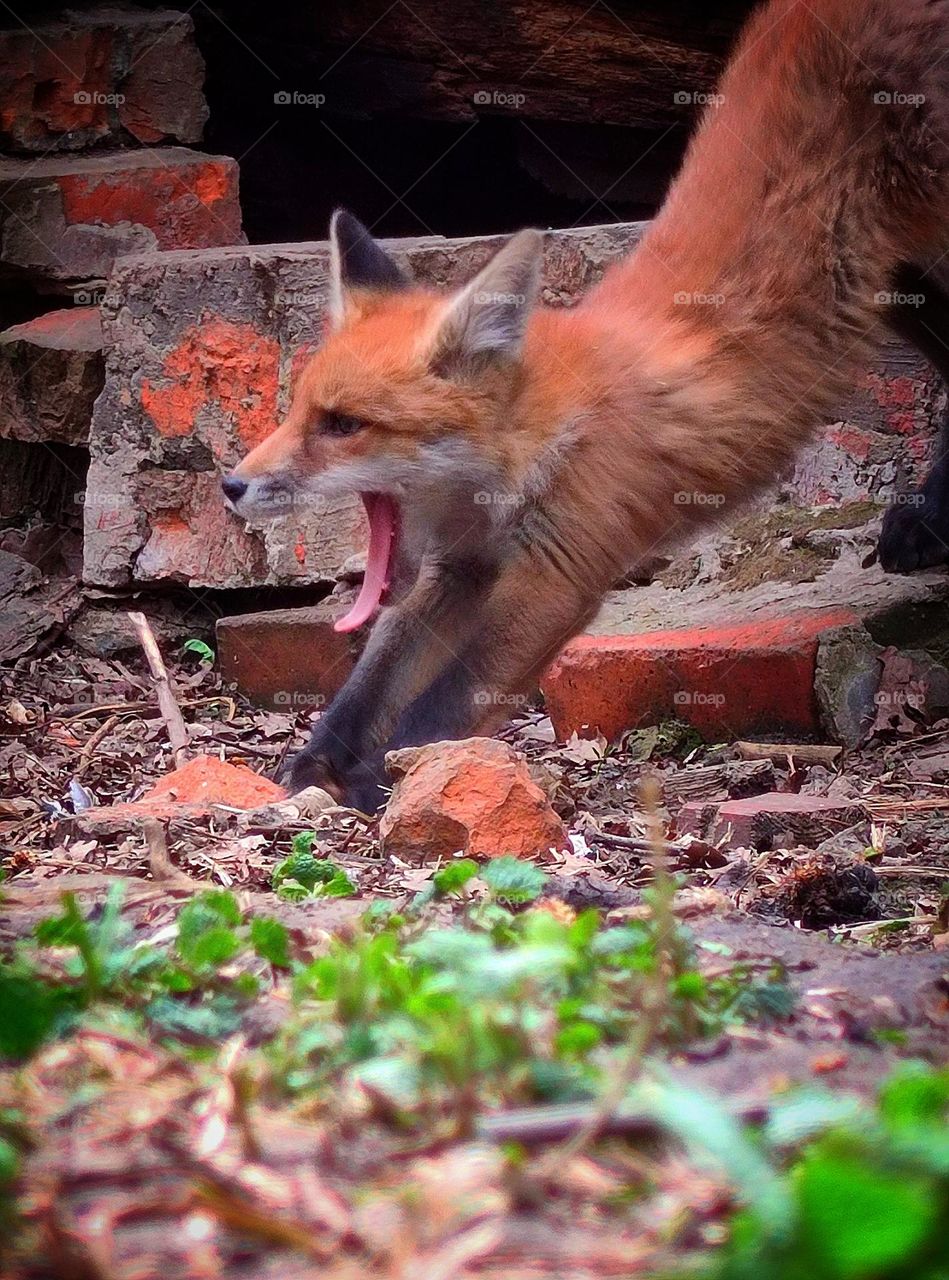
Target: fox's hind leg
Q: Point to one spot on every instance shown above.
(915, 532)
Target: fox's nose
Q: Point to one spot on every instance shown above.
(234, 487)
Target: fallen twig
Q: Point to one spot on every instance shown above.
(805, 752)
(167, 703)
(160, 864)
(89, 746)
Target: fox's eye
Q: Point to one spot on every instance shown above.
(340, 424)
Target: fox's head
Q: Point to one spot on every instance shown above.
(408, 398)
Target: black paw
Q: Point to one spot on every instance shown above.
(308, 769)
(915, 534)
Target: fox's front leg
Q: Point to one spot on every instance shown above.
(408, 646)
(534, 609)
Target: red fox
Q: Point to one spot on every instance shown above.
(515, 460)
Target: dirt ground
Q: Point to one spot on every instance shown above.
(125, 1180)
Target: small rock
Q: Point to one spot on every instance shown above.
(475, 796)
(846, 679)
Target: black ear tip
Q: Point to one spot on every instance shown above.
(345, 225)
(363, 262)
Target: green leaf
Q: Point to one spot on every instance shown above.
(690, 986)
(292, 891)
(577, 1039)
(200, 648)
(271, 941)
(211, 1021)
(9, 1162)
(858, 1220)
(455, 875)
(206, 936)
(339, 886)
(29, 1012)
(513, 880)
(916, 1094)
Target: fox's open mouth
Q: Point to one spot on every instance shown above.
(383, 513)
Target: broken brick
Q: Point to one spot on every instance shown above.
(67, 218)
(51, 370)
(728, 682)
(188, 792)
(104, 76)
(289, 659)
(767, 821)
(475, 796)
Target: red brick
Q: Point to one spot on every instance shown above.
(107, 75)
(207, 780)
(67, 218)
(188, 792)
(727, 681)
(756, 822)
(475, 796)
(51, 370)
(289, 659)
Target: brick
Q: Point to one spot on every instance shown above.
(208, 374)
(106, 76)
(727, 681)
(188, 792)
(51, 370)
(769, 821)
(475, 796)
(67, 218)
(289, 659)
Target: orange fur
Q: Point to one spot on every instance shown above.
(800, 196)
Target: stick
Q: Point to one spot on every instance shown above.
(167, 704)
(85, 757)
(160, 864)
(806, 752)
(562, 1121)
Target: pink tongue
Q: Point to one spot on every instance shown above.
(382, 514)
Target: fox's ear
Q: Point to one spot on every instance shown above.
(357, 262)
(489, 317)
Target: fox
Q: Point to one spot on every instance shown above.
(515, 459)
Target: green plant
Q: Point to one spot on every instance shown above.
(204, 651)
(301, 875)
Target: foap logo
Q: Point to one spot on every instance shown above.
(885, 299)
(485, 498)
(299, 699)
(685, 299)
(88, 297)
(484, 299)
(294, 98)
(694, 498)
(301, 297)
(686, 98)
(912, 499)
(694, 698)
(884, 98)
(499, 98)
(98, 500)
(491, 698)
(900, 698)
(87, 98)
